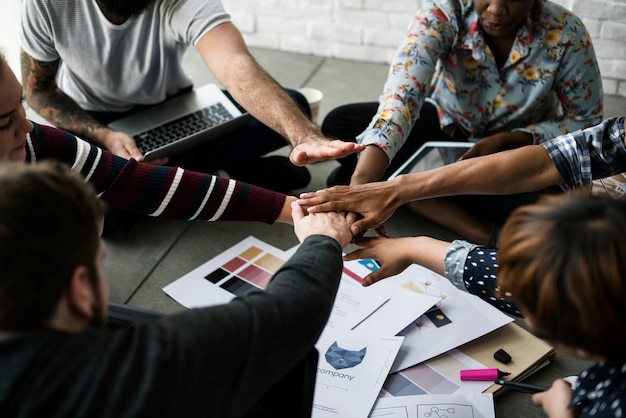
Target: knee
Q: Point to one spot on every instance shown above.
(334, 123)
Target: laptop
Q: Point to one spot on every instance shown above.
(183, 122)
(433, 154)
(292, 394)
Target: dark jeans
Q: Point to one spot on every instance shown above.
(348, 121)
(229, 151)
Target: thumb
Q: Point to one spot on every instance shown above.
(356, 227)
(298, 157)
(297, 213)
(373, 277)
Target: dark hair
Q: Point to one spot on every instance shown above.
(563, 260)
(49, 225)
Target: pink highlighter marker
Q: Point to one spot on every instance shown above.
(482, 374)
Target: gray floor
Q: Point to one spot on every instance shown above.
(157, 252)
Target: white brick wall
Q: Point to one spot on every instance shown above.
(370, 30)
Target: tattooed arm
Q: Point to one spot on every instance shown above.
(44, 96)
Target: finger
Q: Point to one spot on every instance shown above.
(326, 207)
(136, 155)
(358, 147)
(361, 226)
(363, 241)
(298, 157)
(374, 277)
(355, 229)
(351, 217)
(311, 198)
(355, 255)
(381, 232)
(297, 213)
(157, 161)
(307, 195)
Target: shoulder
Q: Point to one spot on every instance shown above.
(189, 8)
(551, 15)
(54, 8)
(48, 141)
(602, 388)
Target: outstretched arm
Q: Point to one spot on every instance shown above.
(508, 172)
(225, 53)
(163, 191)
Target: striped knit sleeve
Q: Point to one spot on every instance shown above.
(163, 191)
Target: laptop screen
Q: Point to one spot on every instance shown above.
(433, 154)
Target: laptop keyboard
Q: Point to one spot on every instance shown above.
(182, 127)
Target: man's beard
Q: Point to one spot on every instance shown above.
(124, 8)
(99, 318)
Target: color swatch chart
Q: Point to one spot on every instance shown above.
(246, 266)
(249, 270)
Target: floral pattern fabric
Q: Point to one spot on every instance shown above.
(549, 85)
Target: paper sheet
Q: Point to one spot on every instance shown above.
(459, 318)
(351, 370)
(385, 309)
(478, 405)
(437, 376)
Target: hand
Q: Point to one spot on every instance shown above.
(123, 145)
(332, 224)
(319, 148)
(375, 202)
(393, 255)
(499, 142)
(555, 400)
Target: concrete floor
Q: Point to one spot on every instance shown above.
(157, 252)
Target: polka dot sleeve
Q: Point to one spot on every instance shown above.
(473, 269)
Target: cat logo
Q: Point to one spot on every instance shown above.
(340, 358)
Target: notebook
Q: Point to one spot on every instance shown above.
(433, 154)
(183, 122)
(293, 393)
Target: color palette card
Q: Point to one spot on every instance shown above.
(244, 267)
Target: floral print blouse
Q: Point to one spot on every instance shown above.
(549, 85)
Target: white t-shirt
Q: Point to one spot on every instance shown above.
(107, 67)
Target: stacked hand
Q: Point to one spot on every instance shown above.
(374, 202)
(332, 224)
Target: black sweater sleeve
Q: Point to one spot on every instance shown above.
(226, 357)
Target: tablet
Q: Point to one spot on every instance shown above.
(433, 154)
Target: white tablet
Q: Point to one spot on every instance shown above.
(433, 154)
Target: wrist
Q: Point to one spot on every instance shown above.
(371, 165)
(401, 190)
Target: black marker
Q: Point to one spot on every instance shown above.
(520, 387)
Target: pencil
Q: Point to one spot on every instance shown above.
(520, 387)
